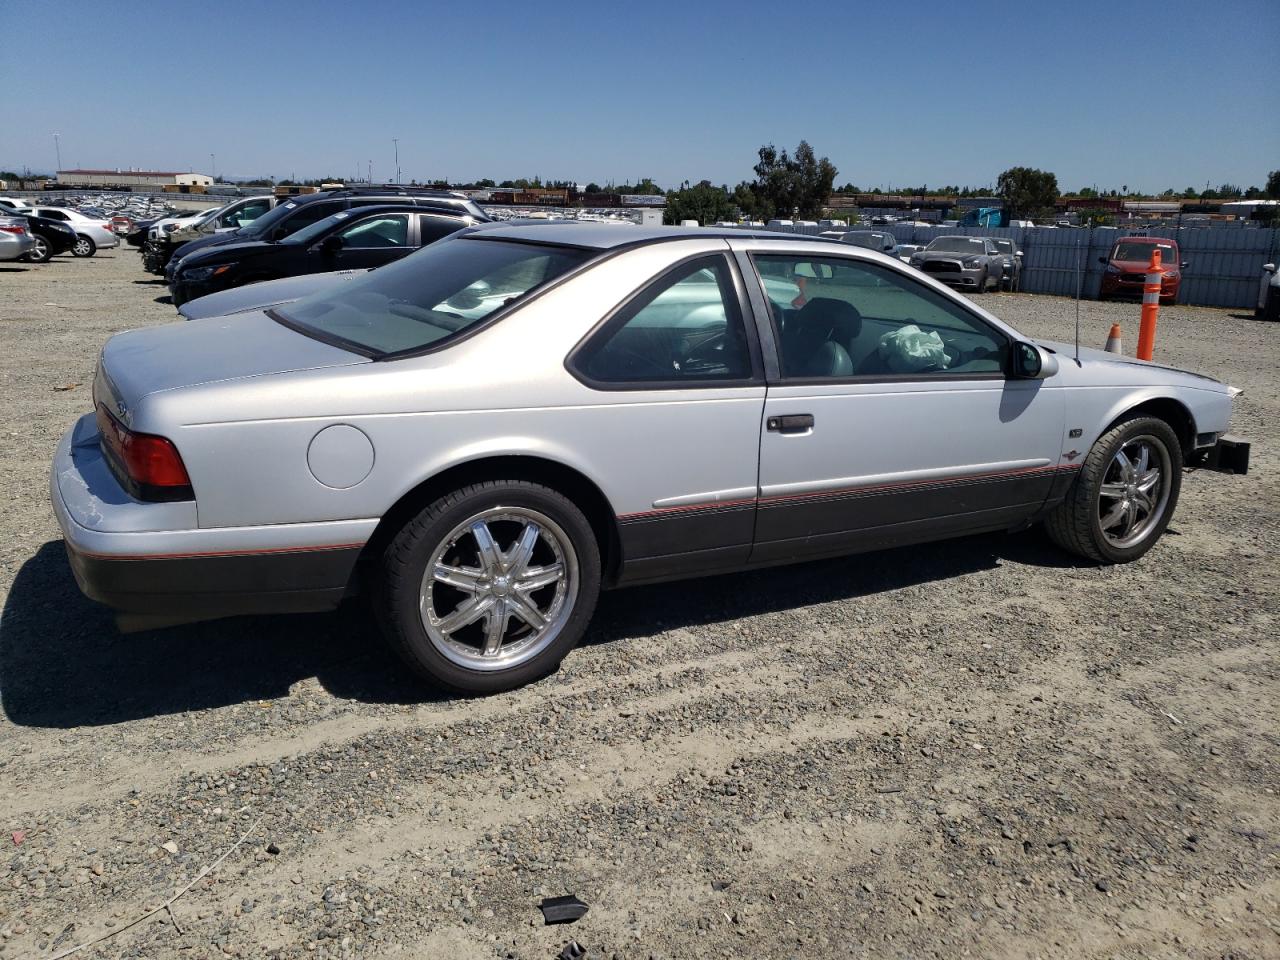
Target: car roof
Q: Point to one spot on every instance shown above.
(606, 236)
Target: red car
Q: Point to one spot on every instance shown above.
(1126, 268)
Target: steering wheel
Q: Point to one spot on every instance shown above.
(705, 352)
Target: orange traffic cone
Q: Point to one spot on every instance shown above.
(1114, 344)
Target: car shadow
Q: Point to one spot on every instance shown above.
(167, 300)
(14, 269)
(63, 664)
(648, 610)
(150, 283)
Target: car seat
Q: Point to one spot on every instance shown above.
(814, 339)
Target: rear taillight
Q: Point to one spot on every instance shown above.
(17, 230)
(149, 467)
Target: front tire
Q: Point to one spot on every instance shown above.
(489, 587)
(1125, 495)
(85, 247)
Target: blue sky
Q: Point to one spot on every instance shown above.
(1167, 94)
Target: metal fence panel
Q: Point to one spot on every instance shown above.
(1224, 267)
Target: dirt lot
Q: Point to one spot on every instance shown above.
(979, 748)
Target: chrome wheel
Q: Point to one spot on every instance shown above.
(499, 588)
(40, 249)
(83, 247)
(1134, 491)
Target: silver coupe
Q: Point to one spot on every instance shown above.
(481, 437)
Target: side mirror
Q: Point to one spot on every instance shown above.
(332, 244)
(1031, 362)
(1103, 260)
(1269, 267)
(1018, 253)
(1184, 264)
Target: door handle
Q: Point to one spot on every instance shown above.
(791, 423)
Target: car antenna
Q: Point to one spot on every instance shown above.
(1078, 285)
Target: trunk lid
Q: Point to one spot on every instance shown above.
(138, 363)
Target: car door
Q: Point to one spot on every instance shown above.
(370, 241)
(678, 375)
(892, 418)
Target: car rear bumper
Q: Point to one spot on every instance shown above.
(13, 246)
(153, 564)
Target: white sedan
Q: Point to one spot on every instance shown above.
(91, 235)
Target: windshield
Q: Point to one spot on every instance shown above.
(1130, 250)
(957, 245)
(309, 233)
(433, 295)
(268, 220)
(1004, 246)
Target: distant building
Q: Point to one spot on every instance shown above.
(131, 179)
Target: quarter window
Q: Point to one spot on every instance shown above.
(685, 327)
(838, 318)
(431, 228)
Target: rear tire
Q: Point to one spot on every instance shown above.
(85, 247)
(41, 252)
(1125, 494)
(489, 587)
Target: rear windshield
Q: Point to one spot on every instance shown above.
(958, 245)
(433, 295)
(1136, 250)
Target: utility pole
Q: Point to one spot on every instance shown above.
(396, 141)
(371, 171)
(213, 168)
(58, 150)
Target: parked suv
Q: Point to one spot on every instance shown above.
(298, 212)
(1126, 268)
(363, 237)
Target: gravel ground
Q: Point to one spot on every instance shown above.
(978, 748)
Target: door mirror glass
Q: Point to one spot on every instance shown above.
(1031, 362)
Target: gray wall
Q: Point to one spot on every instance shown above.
(1225, 265)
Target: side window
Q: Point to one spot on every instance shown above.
(307, 214)
(387, 230)
(685, 326)
(843, 318)
(432, 228)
